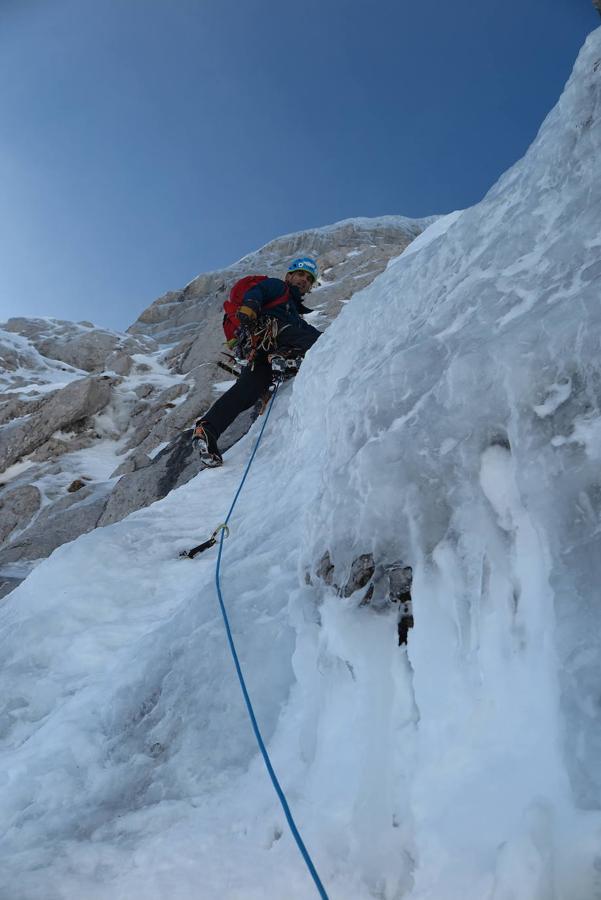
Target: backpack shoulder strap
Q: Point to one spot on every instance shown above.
(283, 298)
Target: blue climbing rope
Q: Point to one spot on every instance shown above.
(251, 713)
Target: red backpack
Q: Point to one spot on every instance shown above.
(231, 323)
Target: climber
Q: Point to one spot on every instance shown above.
(269, 306)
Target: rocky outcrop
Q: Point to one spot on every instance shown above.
(17, 508)
(14, 406)
(159, 418)
(63, 521)
(7, 584)
(80, 344)
(78, 400)
(175, 465)
(388, 585)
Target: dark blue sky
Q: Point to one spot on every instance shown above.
(146, 141)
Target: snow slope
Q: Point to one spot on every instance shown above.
(450, 419)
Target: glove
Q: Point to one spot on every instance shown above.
(247, 316)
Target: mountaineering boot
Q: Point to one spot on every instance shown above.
(206, 443)
(261, 405)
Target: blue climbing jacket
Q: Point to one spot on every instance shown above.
(291, 312)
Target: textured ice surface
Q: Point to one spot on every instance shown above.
(448, 419)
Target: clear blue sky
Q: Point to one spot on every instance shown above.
(145, 141)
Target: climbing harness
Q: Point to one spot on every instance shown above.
(223, 530)
(249, 342)
(266, 333)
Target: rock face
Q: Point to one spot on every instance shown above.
(78, 344)
(63, 521)
(173, 466)
(17, 507)
(66, 407)
(111, 413)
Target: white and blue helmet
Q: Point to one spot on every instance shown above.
(305, 264)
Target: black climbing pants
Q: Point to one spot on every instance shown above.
(253, 383)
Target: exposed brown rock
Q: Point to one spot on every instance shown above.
(76, 485)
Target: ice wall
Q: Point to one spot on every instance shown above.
(459, 431)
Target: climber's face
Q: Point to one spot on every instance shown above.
(301, 280)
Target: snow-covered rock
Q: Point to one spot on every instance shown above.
(79, 344)
(18, 507)
(63, 409)
(65, 519)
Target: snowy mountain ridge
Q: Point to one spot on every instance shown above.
(448, 420)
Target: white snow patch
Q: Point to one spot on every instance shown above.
(220, 387)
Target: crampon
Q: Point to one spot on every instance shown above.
(206, 445)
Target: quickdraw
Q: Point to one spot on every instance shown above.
(206, 545)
